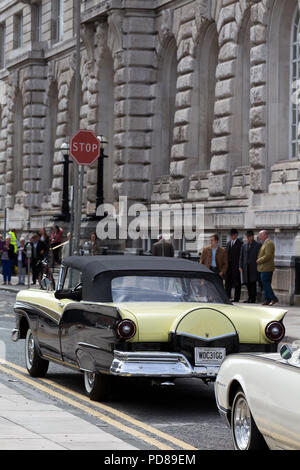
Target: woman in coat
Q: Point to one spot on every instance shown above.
(7, 259)
(248, 266)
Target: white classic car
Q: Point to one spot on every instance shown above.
(258, 395)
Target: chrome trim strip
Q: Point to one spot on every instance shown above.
(63, 363)
(229, 335)
(52, 314)
(86, 345)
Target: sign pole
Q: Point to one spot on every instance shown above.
(81, 177)
(85, 149)
(77, 206)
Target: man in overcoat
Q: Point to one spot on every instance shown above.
(248, 266)
(233, 276)
(38, 252)
(163, 247)
(214, 257)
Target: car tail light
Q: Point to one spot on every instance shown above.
(275, 331)
(126, 329)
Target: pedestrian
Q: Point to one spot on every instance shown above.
(233, 275)
(13, 238)
(7, 259)
(14, 241)
(214, 257)
(163, 247)
(248, 266)
(22, 262)
(94, 245)
(38, 253)
(44, 237)
(56, 238)
(266, 267)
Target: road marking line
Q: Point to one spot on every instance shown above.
(111, 410)
(88, 410)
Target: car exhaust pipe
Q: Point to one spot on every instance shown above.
(159, 383)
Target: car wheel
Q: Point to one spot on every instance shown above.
(97, 386)
(36, 366)
(245, 433)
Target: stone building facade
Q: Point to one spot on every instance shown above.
(198, 100)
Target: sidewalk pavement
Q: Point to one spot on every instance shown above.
(30, 425)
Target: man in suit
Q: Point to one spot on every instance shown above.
(38, 252)
(248, 266)
(266, 267)
(233, 276)
(214, 257)
(163, 247)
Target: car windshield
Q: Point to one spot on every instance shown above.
(164, 289)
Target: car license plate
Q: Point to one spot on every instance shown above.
(205, 356)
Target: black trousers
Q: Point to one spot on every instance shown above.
(251, 286)
(35, 270)
(229, 285)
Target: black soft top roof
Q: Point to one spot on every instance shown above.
(98, 272)
(92, 266)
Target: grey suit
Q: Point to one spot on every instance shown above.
(248, 257)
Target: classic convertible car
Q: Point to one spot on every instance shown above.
(153, 317)
(258, 395)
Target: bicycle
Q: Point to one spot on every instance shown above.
(45, 275)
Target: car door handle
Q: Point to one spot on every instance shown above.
(61, 305)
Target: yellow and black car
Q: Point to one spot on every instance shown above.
(125, 316)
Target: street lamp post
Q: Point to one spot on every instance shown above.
(65, 210)
(100, 177)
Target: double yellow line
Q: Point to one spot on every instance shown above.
(18, 372)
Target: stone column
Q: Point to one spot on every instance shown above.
(221, 164)
(34, 86)
(258, 96)
(185, 31)
(3, 146)
(135, 73)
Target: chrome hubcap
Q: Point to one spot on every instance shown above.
(90, 379)
(30, 349)
(242, 424)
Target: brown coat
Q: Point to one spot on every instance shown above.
(221, 259)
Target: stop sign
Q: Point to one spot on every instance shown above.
(85, 147)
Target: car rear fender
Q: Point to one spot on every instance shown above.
(85, 360)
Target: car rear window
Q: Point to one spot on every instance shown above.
(164, 289)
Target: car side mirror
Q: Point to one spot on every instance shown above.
(64, 294)
(286, 352)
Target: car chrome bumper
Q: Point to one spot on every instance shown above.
(158, 364)
(224, 413)
(15, 335)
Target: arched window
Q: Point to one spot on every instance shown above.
(240, 131)
(204, 97)
(282, 130)
(295, 86)
(165, 111)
